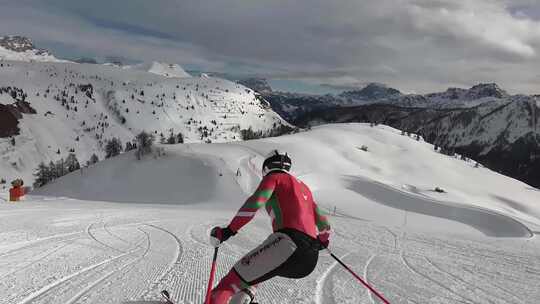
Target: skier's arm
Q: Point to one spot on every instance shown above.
(253, 203)
(322, 225)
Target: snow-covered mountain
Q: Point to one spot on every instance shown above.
(483, 122)
(456, 97)
(21, 49)
(291, 106)
(49, 109)
(373, 92)
(503, 134)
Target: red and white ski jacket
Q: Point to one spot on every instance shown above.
(289, 203)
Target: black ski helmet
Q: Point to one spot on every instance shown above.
(276, 161)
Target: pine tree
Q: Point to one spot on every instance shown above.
(52, 174)
(145, 142)
(93, 159)
(171, 140)
(113, 147)
(162, 139)
(42, 175)
(180, 138)
(129, 146)
(72, 163)
(61, 169)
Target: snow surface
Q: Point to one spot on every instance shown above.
(122, 230)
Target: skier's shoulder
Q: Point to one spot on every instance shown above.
(278, 177)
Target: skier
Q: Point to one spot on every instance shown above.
(300, 231)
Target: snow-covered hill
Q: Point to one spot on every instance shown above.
(472, 244)
(328, 157)
(78, 107)
(501, 133)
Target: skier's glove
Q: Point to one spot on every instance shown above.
(324, 239)
(219, 235)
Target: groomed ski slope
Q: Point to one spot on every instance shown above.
(122, 230)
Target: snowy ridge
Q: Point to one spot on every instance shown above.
(80, 106)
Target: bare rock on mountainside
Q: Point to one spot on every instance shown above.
(17, 43)
(21, 48)
(12, 106)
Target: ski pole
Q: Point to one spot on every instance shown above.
(380, 296)
(211, 279)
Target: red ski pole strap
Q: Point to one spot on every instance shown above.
(380, 296)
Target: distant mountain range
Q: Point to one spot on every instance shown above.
(484, 122)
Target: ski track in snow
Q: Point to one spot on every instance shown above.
(467, 286)
(106, 276)
(368, 293)
(92, 236)
(49, 287)
(429, 278)
(50, 239)
(178, 253)
(32, 262)
(136, 258)
(322, 280)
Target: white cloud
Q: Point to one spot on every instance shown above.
(488, 22)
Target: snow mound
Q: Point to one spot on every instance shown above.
(175, 178)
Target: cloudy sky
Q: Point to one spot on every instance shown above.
(413, 45)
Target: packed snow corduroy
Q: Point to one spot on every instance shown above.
(373, 290)
(292, 250)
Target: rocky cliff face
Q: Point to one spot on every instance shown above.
(20, 48)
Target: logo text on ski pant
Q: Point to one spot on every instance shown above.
(247, 259)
